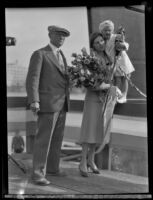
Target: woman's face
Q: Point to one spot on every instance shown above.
(107, 32)
(99, 44)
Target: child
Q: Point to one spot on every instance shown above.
(115, 44)
(124, 63)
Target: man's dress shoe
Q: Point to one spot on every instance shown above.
(41, 181)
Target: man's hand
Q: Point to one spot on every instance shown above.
(35, 107)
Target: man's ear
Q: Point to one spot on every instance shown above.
(50, 35)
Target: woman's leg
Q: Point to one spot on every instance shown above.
(91, 156)
(125, 86)
(83, 162)
(91, 159)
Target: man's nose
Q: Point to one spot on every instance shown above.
(62, 37)
(107, 32)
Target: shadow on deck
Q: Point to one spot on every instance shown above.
(108, 182)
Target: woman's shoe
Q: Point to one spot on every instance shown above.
(83, 173)
(94, 170)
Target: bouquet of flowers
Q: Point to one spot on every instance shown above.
(87, 71)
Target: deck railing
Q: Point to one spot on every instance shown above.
(133, 107)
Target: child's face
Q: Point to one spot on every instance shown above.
(107, 32)
(119, 41)
(119, 38)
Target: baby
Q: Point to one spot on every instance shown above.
(116, 46)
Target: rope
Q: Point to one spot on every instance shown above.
(102, 145)
(108, 92)
(100, 148)
(132, 84)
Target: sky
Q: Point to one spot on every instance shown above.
(29, 27)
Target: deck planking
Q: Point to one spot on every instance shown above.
(73, 183)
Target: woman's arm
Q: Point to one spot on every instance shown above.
(102, 86)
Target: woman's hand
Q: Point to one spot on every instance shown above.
(104, 86)
(118, 93)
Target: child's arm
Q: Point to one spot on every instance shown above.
(125, 46)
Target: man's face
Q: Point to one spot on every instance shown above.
(57, 38)
(106, 32)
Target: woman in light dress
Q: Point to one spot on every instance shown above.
(93, 126)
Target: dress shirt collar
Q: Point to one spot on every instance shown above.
(53, 47)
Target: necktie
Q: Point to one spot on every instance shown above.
(59, 58)
(58, 55)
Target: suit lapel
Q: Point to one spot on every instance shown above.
(53, 58)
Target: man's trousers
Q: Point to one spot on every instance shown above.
(48, 142)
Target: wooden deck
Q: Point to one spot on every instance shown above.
(127, 132)
(108, 182)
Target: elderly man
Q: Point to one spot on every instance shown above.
(47, 86)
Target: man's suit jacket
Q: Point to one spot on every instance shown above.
(46, 83)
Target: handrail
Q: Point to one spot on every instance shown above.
(135, 9)
(133, 107)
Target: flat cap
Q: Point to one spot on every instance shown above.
(53, 28)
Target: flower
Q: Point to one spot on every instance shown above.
(92, 52)
(82, 78)
(86, 61)
(88, 72)
(84, 51)
(74, 62)
(82, 71)
(74, 55)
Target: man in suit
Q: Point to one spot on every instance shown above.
(47, 86)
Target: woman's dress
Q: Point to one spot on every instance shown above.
(95, 125)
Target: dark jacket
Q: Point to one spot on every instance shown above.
(46, 83)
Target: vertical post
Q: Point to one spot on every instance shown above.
(89, 20)
(31, 126)
(102, 158)
(110, 158)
